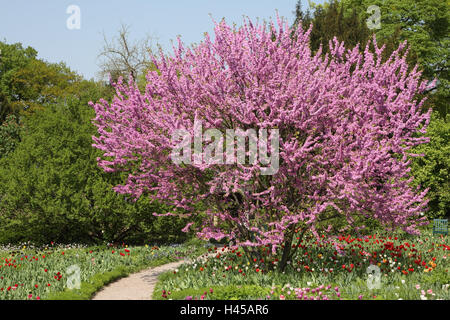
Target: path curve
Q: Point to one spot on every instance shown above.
(137, 286)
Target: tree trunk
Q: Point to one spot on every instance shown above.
(286, 253)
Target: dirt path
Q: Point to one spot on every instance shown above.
(137, 286)
(140, 285)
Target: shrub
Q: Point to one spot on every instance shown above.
(433, 170)
(9, 135)
(52, 189)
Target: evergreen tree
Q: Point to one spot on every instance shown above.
(51, 188)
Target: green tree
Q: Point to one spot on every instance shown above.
(347, 23)
(329, 21)
(433, 170)
(39, 83)
(52, 189)
(9, 135)
(13, 57)
(28, 83)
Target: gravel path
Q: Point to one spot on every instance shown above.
(137, 286)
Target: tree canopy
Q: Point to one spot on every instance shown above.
(28, 83)
(346, 124)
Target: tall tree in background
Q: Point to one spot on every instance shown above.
(329, 22)
(121, 57)
(40, 83)
(13, 57)
(346, 23)
(28, 83)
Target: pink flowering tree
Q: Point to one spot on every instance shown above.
(346, 123)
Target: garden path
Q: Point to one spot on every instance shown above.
(137, 286)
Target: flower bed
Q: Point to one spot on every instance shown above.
(407, 267)
(50, 272)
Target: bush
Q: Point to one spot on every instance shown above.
(9, 135)
(52, 189)
(433, 170)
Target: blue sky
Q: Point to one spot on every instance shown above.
(42, 24)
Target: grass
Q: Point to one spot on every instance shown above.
(410, 267)
(44, 273)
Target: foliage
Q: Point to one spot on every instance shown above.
(28, 83)
(331, 21)
(9, 135)
(52, 188)
(13, 57)
(433, 170)
(346, 124)
(40, 83)
(348, 24)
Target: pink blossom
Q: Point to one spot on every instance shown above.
(346, 121)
